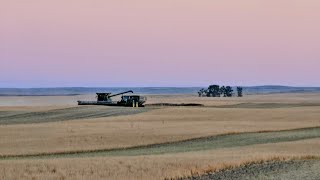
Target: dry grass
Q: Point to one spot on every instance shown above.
(32, 108)
(158, 126)
(291, 98)
(228, 166)
(197, 144)
(153, 167)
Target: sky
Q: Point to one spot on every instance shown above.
(154, 43)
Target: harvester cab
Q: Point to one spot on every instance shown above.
(132, 100)
(103, 97)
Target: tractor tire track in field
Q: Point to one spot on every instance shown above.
(73, 113)
(198, 144)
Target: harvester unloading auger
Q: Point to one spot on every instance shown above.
(126, 100)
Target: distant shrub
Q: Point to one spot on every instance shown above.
(239, 90)
(217, 91)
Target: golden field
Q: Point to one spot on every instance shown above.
(154, 166)
(254, 113)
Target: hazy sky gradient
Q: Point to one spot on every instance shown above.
(159, 42)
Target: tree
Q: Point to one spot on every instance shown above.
(217, 91)
(239, 90)
(202, 92)
(223, 91)
(213, 91)
(228, 91)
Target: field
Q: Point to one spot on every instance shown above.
(49, 137)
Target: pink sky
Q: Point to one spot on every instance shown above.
(159, 42)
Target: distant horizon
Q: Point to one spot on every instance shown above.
(57, 87)
(48, 91)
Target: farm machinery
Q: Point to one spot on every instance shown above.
(126, 100)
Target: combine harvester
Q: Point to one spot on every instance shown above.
(126, 100)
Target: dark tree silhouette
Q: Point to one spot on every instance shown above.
(213, 91)
(217, 91)
(223, 91)
(202, 92)
(228, 91)
(239, 90)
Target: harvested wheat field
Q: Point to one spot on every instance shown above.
(274, 136)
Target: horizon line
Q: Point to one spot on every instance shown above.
(57, 87)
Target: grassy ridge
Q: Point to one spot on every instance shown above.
(198, 144)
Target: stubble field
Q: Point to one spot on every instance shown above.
(51, 138)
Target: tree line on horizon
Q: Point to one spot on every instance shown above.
(217, 91)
